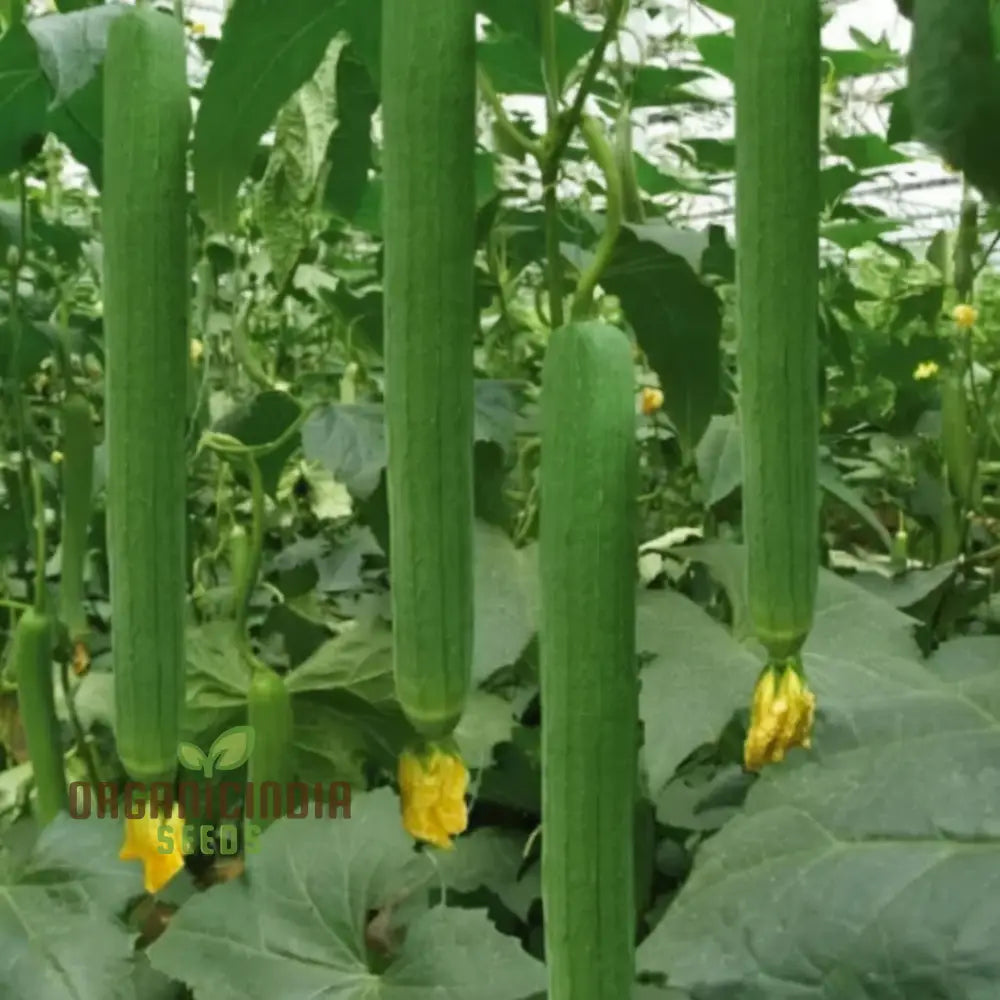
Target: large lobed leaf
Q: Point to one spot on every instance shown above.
(296, 927)
(59, 928)
(266, 53)
(869, 868)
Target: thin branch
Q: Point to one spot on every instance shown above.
(568, 121)
(602, 154)
(503, 121)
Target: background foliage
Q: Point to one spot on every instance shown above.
(865, 868)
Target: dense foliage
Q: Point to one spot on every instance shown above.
(863, 867)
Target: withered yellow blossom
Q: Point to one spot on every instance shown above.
(965, 316)
(81, 658)
(781, 716)
(652, 400)
(433, 786)
(926, 369)
(143, 843)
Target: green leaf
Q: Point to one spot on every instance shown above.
(358, 661)
(714, 156)
(489, 857)
(24, 97)
(62, 940)
(505, 587)
(830, 480)
(835, 182)
(333, 744)
(34, 348)
(718, 52)
(655, 180)
(855, 233)
(866, 152)
(719, 459)
(71, 47)
(487, 721)
(349, 438)
(698, 676)
(349, 152)
(511, 54)
(290, 929)
(266, 53)
(900, 118)
(871, 850)
(869, 58)
(260, 421)
(286, 194)
(657, 86)
(79, 123)
(910, 589)
(677, 319)
(218, 680)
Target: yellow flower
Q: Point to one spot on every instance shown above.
(433, 787)
(143, 843)
(926, 369)
(197, 350)
(965, 316)
(57, 457)
(652, 400)
(81, 658)
(781, 716)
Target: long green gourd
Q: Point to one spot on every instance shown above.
(777, 202)
(590, 729)
(429, 129)
(32, 660)
(79, 439)
(147, 119)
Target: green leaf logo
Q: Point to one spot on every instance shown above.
(191, 756)
(231, 750)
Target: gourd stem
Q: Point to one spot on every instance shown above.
(553, 254)
(603, 155)
(550, 61)
(226, 445)
(245, 586)
(559, 130)
(38, 504)
(500, 116)
(559, 139)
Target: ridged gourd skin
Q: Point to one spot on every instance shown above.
(269, 712)
(777, 83)
(954, 87)
(79, 439)
(429, 141)
(147, 120)
(589, 697)
(957, 443)
(32, 659)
